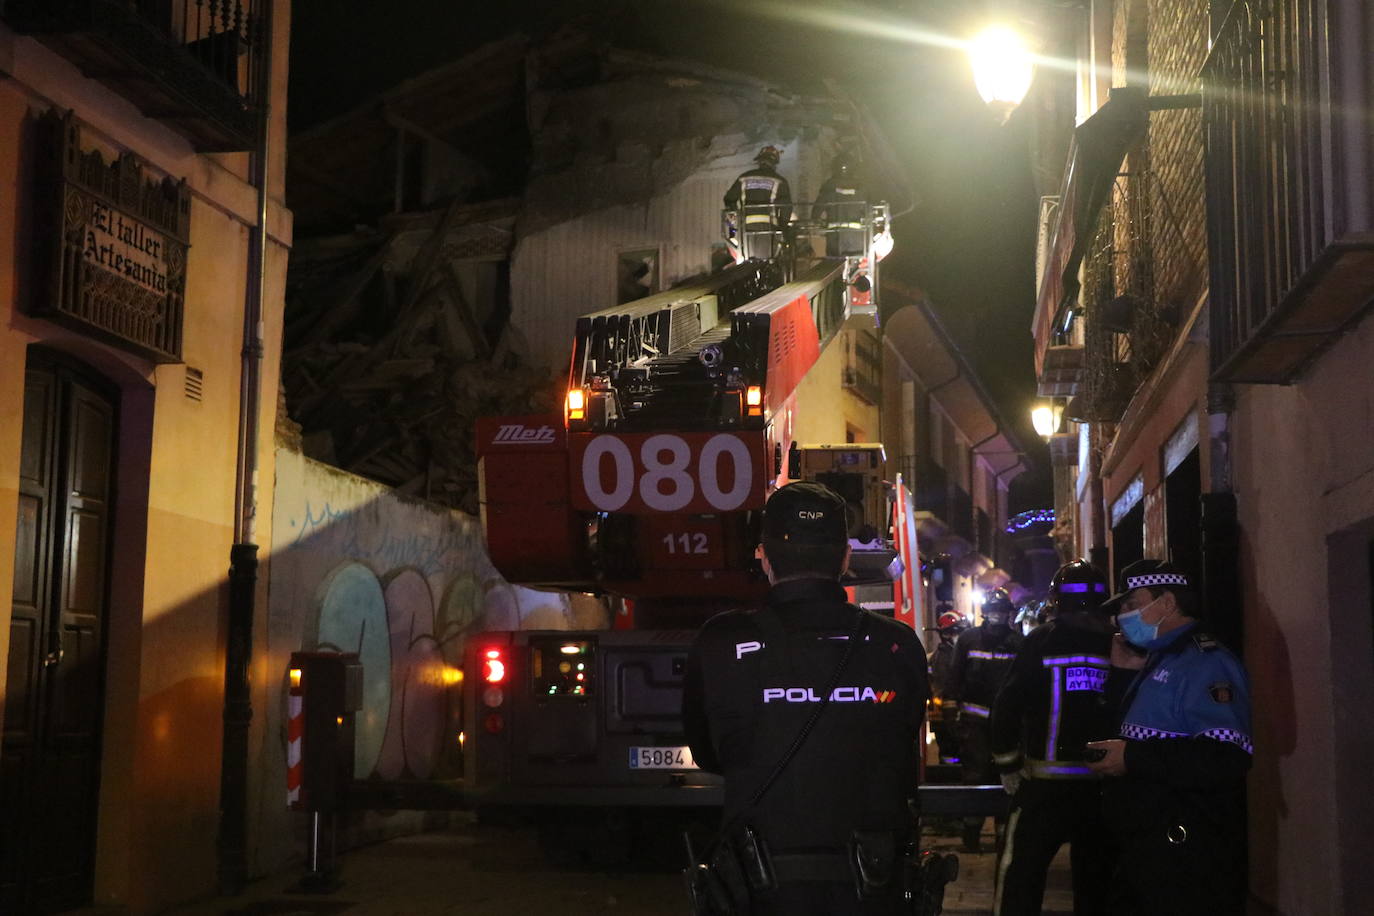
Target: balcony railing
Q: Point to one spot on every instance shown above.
(863, 366)
(939, 496)
(189, 63)
(1292, 261)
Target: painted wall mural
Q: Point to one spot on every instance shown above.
(403, 583)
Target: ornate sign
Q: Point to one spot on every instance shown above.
(114, 263)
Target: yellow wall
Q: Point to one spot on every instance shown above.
(174, 517)
(825, 408)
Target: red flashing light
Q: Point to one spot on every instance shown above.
(493, 668)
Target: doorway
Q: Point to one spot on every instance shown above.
(1128, 539)
(1183, 515)
(54, 691)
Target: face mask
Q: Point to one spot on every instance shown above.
(1136, 630)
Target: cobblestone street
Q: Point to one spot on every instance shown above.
(481, 870)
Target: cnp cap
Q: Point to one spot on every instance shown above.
(1148, 574)
(806, 513)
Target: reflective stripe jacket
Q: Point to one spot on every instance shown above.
(751, 685)
(1186, 721)
(982, 658)
(765, 196)
(840, 204)
(1054, 702)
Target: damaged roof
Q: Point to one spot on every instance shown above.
(570, 123)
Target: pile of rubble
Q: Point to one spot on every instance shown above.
(396, 340)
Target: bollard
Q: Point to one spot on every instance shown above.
(325, 691)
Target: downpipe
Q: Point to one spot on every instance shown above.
(232, 842)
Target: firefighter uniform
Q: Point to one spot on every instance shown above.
(940, 661)
(842, 209)
(765, 197)
(752, 682)
(982, 658)
(1179, 811)
(1051, 705)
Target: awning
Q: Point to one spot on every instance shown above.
(1098, 146)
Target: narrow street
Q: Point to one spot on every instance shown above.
(484, 870)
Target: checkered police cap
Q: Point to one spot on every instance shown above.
(1148, 574)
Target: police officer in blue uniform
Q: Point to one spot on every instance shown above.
(753, 681)
(1051, 705)
(982, 658)
(1175, 798)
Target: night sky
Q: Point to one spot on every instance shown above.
(969, 242)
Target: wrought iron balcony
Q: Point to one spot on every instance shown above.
(1289, 202)
(188, 63)
(863, 366)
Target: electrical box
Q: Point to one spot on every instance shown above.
(326, 691)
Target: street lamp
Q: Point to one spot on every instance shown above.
(1002, 68)
(1046, 417)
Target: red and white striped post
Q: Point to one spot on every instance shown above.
(295, 729)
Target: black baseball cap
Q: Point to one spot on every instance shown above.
(806, 513)
(1148, 574)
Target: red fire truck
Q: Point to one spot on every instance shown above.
(678, 423)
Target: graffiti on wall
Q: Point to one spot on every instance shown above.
(403, 584)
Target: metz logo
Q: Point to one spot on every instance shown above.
(520, 434)
(840, 695)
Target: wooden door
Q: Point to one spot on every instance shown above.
(54, 693)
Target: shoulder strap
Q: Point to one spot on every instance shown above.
(856, 636)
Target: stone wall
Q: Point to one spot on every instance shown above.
(401, 582)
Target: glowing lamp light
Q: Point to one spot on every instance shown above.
(882, 244)
(1002, 68)
(577, 404)
(452, 676)
(1046, 418)
(979, 596)
(295, 675)
(753, 400)
(570, 649)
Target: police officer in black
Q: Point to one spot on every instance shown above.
(982, 658)
(754, 680)
(1052, 704)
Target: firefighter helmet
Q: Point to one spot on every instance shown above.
(951, 620)
(1076, 587)
(769, 154)
(999, 604)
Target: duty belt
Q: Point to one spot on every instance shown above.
(811, 866)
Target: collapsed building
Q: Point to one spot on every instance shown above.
(451, 230)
